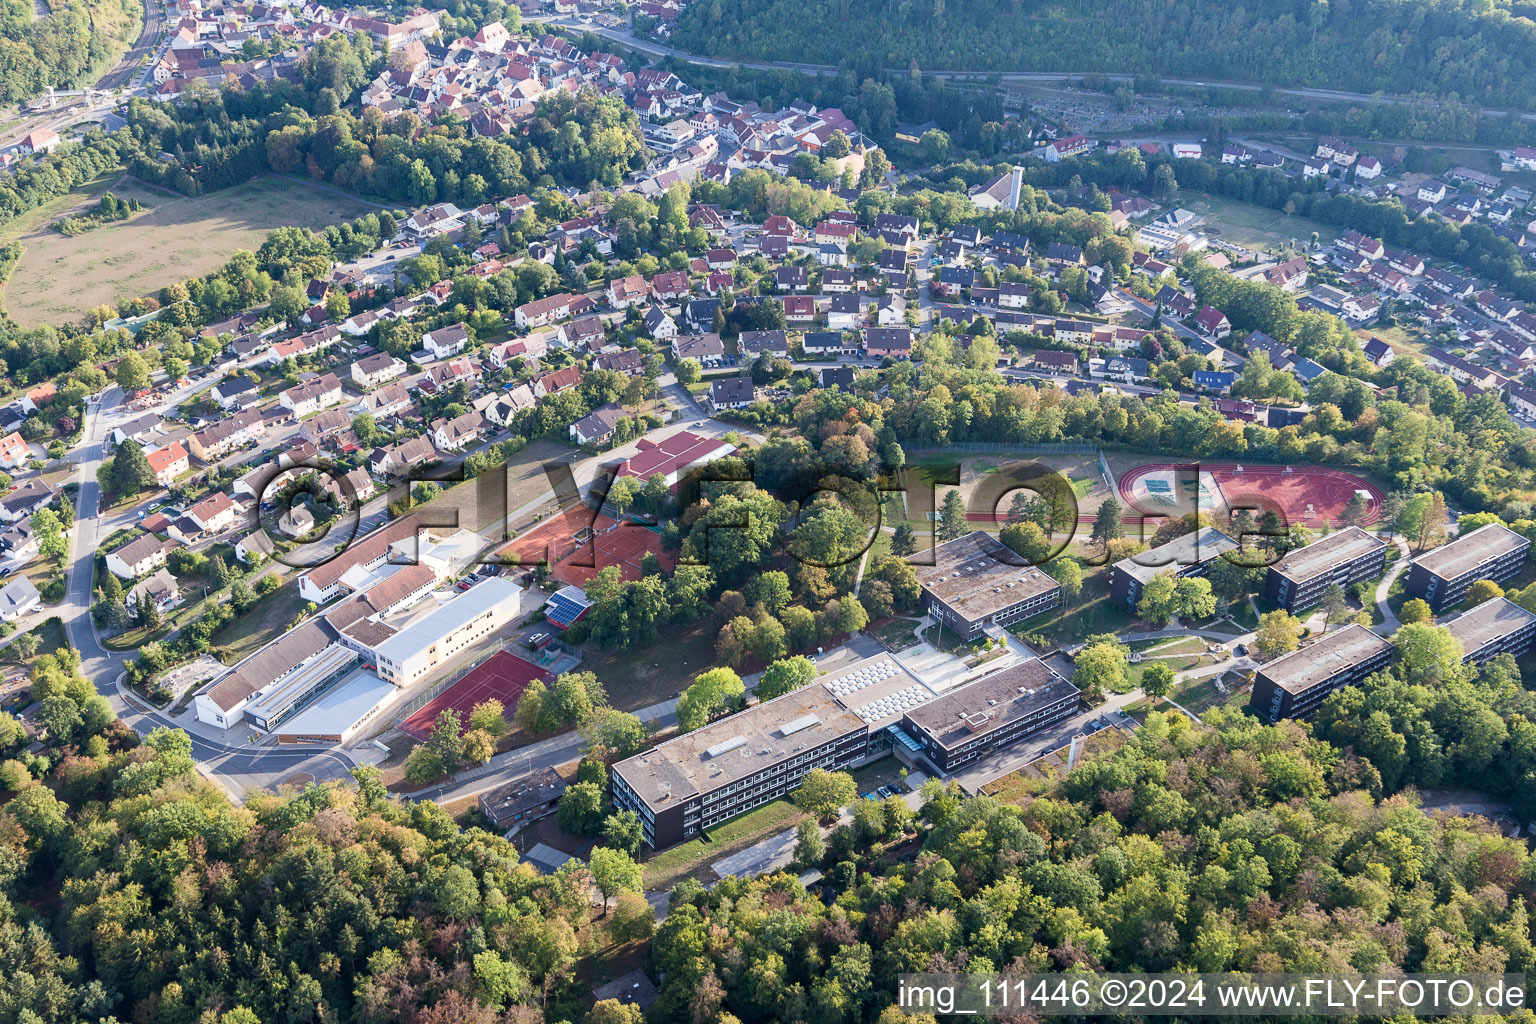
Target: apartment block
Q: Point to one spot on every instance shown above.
(1189, 555)
(1443, 575)
(1297, 581)
(976, 581)
(1294, 686)
(1492, 628)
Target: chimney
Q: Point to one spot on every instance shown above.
(1018, 183)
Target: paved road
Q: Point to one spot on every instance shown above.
(1232, 359)
(237, 768)
(1006, 77)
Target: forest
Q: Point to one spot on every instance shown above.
(1475, 51)
(219, 138)
(76, 38)
(132, 890)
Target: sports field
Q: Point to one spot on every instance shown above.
(503, 676)
(623, 546)
(555, 538)
(1310, 495)
(177, 238)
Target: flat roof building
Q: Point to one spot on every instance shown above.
(224, 702)
(1442, 576)
(340, 713)
(1492, 628)
(960, 726)
(437, 635)
(976, 581)
(1187, 555)
(523, 800)
(301, 688)
(736, 763)
(1298, 580)
(1293, 686)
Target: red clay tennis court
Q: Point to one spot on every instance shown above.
(1309, 495)
(623, 546)
(556, 537)
(503, 676)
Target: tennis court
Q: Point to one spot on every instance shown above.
(503, 676)
(624, 546)
(555, 538)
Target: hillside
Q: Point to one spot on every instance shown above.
(75, 41)
(1478, 52)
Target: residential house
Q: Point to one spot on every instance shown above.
(219, 439)
(1378, 352)
(823, 344)
(446, 342)
(627, 291)
(1055, 361)
(670, 286)
(1012, 295)
(376, 370)
(168, 463)
(19, 598)
(312, 396)
(1218, 381)
(799, 309)
(1213, 322)
(754, 343)
(25, 499)
(556, 382)
(390, 400)
(837, 281)
(790, 279)
(235, 392)
(659, 324)
(888, 342)
(587, 332)
(891, 310)
(730, 393)
(214, 513)
(458, 433)
(144, 554)
(545, 311)
(397, 460)
(597, 427)
(529, 349)
(627, 361)
(1290, 276)
(161, 590)
(708, 349)
(14, 452)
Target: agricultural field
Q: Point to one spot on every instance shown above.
(175, 239)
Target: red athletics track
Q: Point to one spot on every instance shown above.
(1326, 490)
(502, 676)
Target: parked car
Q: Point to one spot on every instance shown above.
(535, 641)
